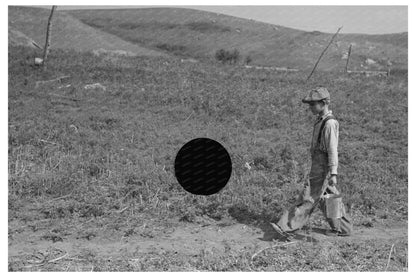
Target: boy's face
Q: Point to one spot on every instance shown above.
(316, 107)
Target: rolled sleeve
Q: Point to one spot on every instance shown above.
(330, 134)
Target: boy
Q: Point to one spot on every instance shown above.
(323, 173)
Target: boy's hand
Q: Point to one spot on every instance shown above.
(332, 180)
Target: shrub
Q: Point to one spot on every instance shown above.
(248, 59)
(174, 48)
(205, 27)
(226, 56)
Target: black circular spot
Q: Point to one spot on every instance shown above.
(203, 166)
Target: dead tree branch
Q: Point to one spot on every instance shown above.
(48, 38)
(323, 52)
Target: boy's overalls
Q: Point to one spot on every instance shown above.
(298, 215)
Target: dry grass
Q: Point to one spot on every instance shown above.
(68, 32)
(111, 153)
(200, 34)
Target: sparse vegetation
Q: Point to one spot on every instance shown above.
(100, 163)
(202, 32)
(205, 27)
(227, 56)
(68, 32)
(172, 48)
(248, 60)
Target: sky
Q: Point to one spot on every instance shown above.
(354, 19)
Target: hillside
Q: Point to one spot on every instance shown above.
(91, 183)
(198, 34)
(17, 38)
(27, 24)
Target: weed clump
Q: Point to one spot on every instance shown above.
(228, 56)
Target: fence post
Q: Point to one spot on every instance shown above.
(48, 38)
(348, 58)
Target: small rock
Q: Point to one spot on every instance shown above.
(95, 86)
(370, 61)
(72, 126)
(38, 61)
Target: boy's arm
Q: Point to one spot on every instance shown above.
(330, 135)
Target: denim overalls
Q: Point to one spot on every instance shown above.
(298, 215)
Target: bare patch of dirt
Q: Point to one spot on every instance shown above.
(43, 248)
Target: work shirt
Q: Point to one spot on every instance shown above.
(329, 140)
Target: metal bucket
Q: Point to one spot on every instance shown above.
(333, 206)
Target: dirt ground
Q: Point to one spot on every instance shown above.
(41, 246)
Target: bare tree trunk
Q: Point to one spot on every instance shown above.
(323, 52)
(48, 38)
(348, 58)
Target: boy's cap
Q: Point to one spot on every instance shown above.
(316, 94)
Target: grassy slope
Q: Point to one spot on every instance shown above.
(115, 149)
(67, 32)
(17, 38)
(199, 34)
